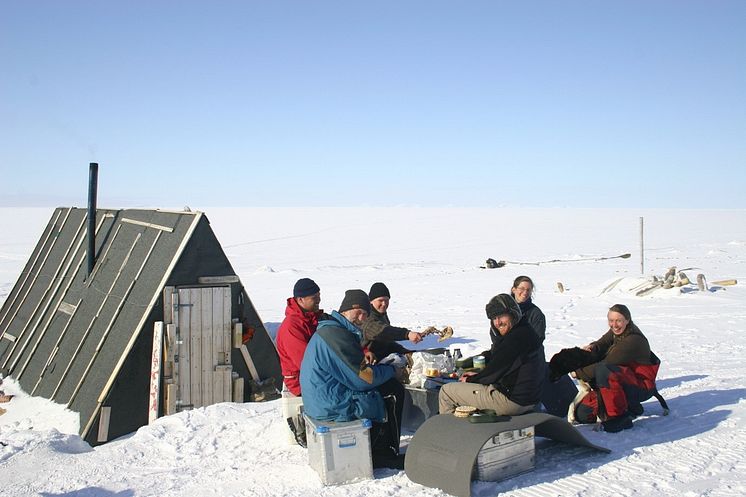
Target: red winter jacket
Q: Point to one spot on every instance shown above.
(292, 338)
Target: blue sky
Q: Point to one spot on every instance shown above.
(429, 103)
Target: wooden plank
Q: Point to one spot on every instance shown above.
(169, 347)
(195, 328)
(238, 390)
(222, 384)
(226, 326)
(218, 280)
(195, 333)
(216, 328)
(219, 384)
(66, 308)
(249, 363)
(172, 392)
(155, 372)
(103, 424)
(147, 225)
(168, 305)
(207, 356)
(237, 335)
(227, 384)
(184, 366)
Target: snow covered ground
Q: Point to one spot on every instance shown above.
(430, 260)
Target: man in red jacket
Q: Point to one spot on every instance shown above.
(301, 317)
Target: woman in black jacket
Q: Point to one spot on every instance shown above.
(522, 291)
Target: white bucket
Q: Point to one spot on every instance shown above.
(290, 408)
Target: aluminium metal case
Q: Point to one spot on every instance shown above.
(505, 455)
(340, 451)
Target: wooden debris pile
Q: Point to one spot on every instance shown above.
(676, 279)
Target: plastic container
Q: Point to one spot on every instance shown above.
(449, 365)
(340, 452)
(290, 407)
(479, 362)
(432, 372)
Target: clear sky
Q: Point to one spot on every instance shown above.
(431, 103)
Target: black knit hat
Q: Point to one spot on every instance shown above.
(355, 299)
(378, 290)
(305, 287)
(503, 304)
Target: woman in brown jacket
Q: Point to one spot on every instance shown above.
(624, 372)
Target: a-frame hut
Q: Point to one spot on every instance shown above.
(82, 334)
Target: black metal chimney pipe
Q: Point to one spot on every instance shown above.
(92, 191)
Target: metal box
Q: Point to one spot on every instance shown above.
(340, 452)
(505, 455)
(420, 404)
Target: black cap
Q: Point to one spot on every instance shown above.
(355, 299)
(305, 287)
(378, 290)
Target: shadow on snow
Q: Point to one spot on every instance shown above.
(690, 415)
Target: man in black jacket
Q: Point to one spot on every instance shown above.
(511, 380)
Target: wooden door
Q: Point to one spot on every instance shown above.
(204, 336)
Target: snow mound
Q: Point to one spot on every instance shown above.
(264, 269)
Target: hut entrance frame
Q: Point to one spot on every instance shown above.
(197, 368)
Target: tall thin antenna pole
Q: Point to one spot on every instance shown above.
(642, 246)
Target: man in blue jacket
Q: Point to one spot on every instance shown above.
(338, 384)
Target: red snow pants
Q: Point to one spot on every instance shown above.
(617, 388)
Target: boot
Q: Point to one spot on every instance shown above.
(618, 423)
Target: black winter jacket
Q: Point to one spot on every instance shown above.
(514, 364)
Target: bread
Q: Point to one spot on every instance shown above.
(464, 411)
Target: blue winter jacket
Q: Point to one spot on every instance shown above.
(336, 383)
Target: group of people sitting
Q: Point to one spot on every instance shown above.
(345, 364)
(619, 368)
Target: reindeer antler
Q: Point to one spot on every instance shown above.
(443, 334)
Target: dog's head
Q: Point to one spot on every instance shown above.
(567, 360)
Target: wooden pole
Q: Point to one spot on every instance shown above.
(642, 247)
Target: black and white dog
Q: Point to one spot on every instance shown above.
(568, 360)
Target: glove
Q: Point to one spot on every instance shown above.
(396, 360)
